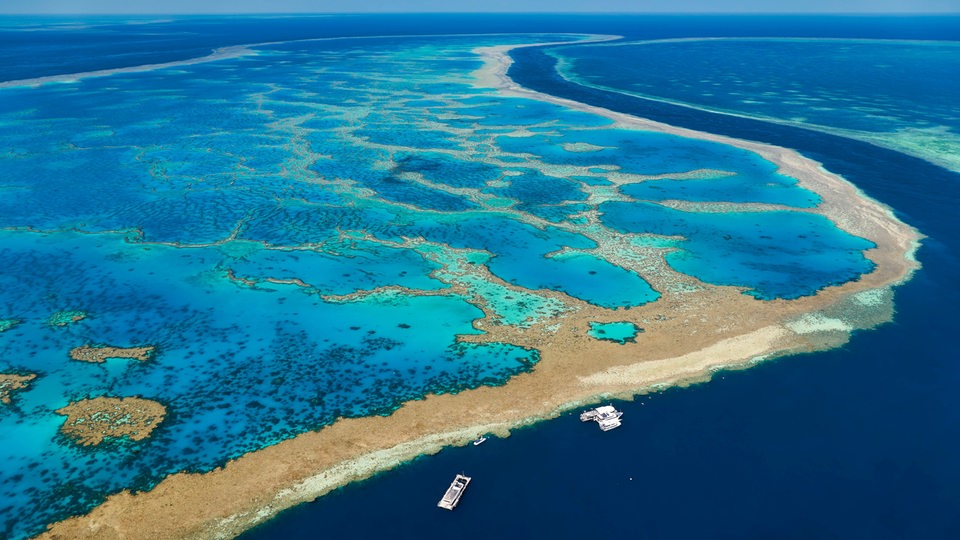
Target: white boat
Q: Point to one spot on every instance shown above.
(480, 440)
(454, 492)
(609, 423)
(606, 416)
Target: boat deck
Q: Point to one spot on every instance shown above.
(606, 416)
(454, 492)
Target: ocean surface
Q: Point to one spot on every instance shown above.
(288, 226)
(900, 94)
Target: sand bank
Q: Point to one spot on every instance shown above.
(686, 336)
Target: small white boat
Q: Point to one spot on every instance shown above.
(480, 440)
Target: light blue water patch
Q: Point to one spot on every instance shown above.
(65, 318)
(619, 332)
(520, 258)
(526, 112)
(594, 280)
(7, 324)
(775, 189)
(772, 254)
(344, 269)
(515, 307)
(650, 153)
(506, 305)
(323, 121)
(425, 103)
(500, 234)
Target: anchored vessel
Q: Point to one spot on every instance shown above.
(456, 489)
(607, 416)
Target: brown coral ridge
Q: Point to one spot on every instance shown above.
(100, 353)
(11, 382)
(92, 421)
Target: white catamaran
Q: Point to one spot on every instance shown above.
(607, 416)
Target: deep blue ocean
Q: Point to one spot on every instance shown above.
(899, 94)
(858, 442)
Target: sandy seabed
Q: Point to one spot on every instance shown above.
(688, 334)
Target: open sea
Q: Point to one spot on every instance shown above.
(225, 212)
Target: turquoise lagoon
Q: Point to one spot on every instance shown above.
(294, 231)
(618, 332)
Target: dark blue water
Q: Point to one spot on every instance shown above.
(737, 75)
(71, 45)
(858, 442)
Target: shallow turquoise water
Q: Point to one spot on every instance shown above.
(221, 211)
(772, 254)
(620, 332)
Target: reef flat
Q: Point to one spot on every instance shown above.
(66, 318)
(93, 421)
(12, 382)
(100, 353)
(608, 222)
